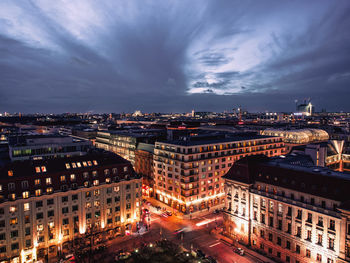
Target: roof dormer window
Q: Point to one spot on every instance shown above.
(67, 166)
(10, 173)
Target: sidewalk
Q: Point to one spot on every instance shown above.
(261, 258)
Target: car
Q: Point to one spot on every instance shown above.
(200, 253)
(164, 214)
(238, 250)
(169, 213)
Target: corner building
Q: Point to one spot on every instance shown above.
(290, 212)
(49, 206)
(188, 173)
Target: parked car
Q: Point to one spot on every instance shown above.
(238, 250)
(169, 213)
(164, 214)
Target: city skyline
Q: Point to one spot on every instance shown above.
(173, 56)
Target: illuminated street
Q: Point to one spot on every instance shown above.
(197, 237)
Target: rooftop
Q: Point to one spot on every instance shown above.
(198, 140)
(292, 173)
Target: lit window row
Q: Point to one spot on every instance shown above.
(80, 164)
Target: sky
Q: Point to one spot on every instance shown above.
(173, 56)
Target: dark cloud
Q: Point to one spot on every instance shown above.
(161, 56)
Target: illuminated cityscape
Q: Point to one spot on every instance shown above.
(174, 131)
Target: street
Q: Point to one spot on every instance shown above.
(196, 236)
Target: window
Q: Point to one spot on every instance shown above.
(331, 243)
(96, 182)
(287, 244)
(309, 218)
(48, 181)
(25, 184)
(114, 170)
(63, 178)
(279, 241)
(65, 221)
(26, 206)
(38, 192)
(13, 209)
(319, 257)
(50, 213)
(14, 246)
(74, 208)
(65, 210)
(72, 177)
(96, 192)
(39, 216)
(25, 194)
(320, 221)
(308, 235)
(49, 202)
(75, 197)
(332, 224)
(319, 239)
(27, 231)
(67, 166)
(11, 186)
(39, 204)
(94, 173)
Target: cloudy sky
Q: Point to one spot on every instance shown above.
(173, 56)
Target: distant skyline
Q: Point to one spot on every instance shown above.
(173, 56)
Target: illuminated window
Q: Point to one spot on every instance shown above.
(125, 168)
(37, 181)
(96, 182)
(95, 162)
(63, 178)
(72, 177)
(84, 164)
(12, 196)
(67, 166)
(25, 194)
(74, 165)
(0, 187)
(106, 171)
(116, 188)
(38, 192)
(108, 180)
(13, 209)
(79, 164)
(94, 173)
(10, 173)
(13, 221)
(86, 175)
(48, 181)
(49, 190)
(40, 227)
(89, 163)
(97, 203)
(43, 169)
(26, 206)
(37, 169)
(88, 205)
(96, 192)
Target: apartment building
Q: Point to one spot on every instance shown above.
(125, 142)
(188, 172)
(26, 147)
(289, 210)
(48, 206)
